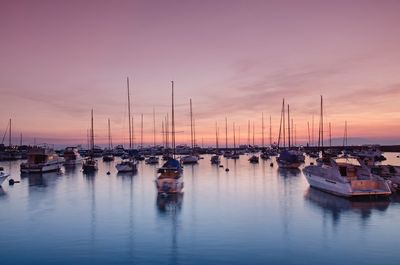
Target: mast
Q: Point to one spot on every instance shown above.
(9, 136)
(239, 137)
(141, 131)
(163, 133)
(226, 133)
(288, 121)
(283, 121)
(270, 131)
(154, 127)
(234, 138)
(330, 135)
(262, 126)
(109, 135)
(308, 126)
(248, 133)
(216, 135)
(194, 133)
(92, 133)
(133, 133)
(173, 120)
(253, 135)
(20, 139)
(191, 125)
(322, 128)
(129, 114)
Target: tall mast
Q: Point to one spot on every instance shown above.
(288, 121)
(194, 132)
(248, 133)
(129, 114)
(226, 133)
(308, 126)
(330, 135)
(234, 138)
(141, 131)
(163, 133)
(9, 136)
(173, 120)
(92, 132)
(253, 134)
(270, 131)
(191, 125)
(283, 121)
(322, 127)
(154, 127)
(20, 139)
(133, 132)
(216, 135)
(109, 135)
(262, 126)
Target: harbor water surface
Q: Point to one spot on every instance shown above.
(253, 214)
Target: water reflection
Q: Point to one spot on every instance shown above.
(2, 192)
(336, 206)
(169, 204)
(41, 179)
(289, 172)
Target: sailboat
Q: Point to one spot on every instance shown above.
(235, 155)
(90, 164)
(108, 155)
(192, 158)
(169, 179)
(287, 158)
(129, 164)
(215, 159)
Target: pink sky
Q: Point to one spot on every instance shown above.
(237, 59)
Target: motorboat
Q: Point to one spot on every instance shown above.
(127, 165)
(40, 160)
(3, 175)
(254, 159)
(189, 159)
(264, 155)
(151, 160)
(215, 159)
(72, 157)
(347, 177)
(108, 155)
(89, 165)
(169, 179)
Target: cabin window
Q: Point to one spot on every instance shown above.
(343, 171)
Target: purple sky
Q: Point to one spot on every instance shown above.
(58, 59)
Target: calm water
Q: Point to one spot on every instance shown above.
(253, 214)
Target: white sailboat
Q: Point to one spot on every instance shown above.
(129, 164)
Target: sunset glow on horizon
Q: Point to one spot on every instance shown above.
(234, 59)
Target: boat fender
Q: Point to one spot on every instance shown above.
(12, 182)
(226, 169)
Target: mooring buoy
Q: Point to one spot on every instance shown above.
(226, 169)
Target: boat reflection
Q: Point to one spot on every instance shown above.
(41, 179)
(289, 172)
(170, 203)
(126, 174)
(2, 192)
(336, 206)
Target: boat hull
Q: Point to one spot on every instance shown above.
(344, 189)
(41, 168)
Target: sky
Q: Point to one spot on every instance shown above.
(234, 59)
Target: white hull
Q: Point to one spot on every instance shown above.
(3, 177)
(125, 168)
(41, 168)
(344, 189)
(73, 162)
(189, 160)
